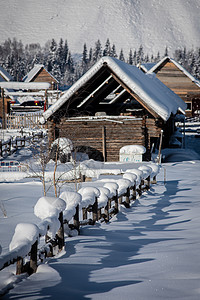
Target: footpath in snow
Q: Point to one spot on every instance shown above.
(148, 251)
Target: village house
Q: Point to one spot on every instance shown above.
(175, 77)
(40, 74)
(113, 105)
(4, 100)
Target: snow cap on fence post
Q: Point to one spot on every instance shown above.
(47, 207)
(72, 199)
(24, 237)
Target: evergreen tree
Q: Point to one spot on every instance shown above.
(130, 58)
(121, 55)
(97, 53)
(84, 55)
(135, 58)
(113, 51)
(70, 63)
(107, 49)
(51, 59)
(166, 52)
(90, 55)
(140, 55)
(84, 63)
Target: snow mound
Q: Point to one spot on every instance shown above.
(49, 207)
(25, 235)
(89, 195)
(72, 199)
(133, 149)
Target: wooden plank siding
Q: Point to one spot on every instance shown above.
(179, 83)
(89, 134)
(44, 76)
(6, 106)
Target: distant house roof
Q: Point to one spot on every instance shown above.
(4, 75)
(150, 92)
(166, 59)
(146, 66)
(34, 72)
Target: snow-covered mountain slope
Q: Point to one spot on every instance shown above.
(127, 23)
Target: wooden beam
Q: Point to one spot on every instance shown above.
(136, 97)
(93, 92)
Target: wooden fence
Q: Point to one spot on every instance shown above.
(12, 145)
(28, 120)
(84, 214)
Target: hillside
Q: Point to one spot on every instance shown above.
(127, 23)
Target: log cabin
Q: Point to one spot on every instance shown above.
(40, 74)
(112, 105)
(4, 101)
(180, 81)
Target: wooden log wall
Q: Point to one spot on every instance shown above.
(106, 136)
(178, 82)
(44, 76)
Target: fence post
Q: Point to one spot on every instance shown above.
(116, 203)
(76, 218)
(154, 181)
(140, 187)
(60, 233)
(148, 182)
(134, 192)
(1, 149)
(84, 211)
(95, 210)
(127, 201)
(107, 210)
(33, 258)
(9, 147)
(19, 266)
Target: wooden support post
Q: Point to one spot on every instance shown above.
(120, 200)
(154, 181)
(46, 101)
(84, 211)
(33, 258)
(95, 210)
(127, 201)
(104, 142)
(9, 147)
(3, 110)
(76, 218)
(134, 192)
(116, 203)
(19, 266)
(107, 210)
(140, 187)
(60, 233)
(82, 178)
(160, 147)
(99, 213)
(148, 182)
(1, 149)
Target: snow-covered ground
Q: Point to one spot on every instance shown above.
(147, 251)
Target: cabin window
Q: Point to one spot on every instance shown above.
(189, 106)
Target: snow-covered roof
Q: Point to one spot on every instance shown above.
(15, 85)
(4, 75)
(33, 72)
(153, 93)
(181, 68)
(146, 66)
